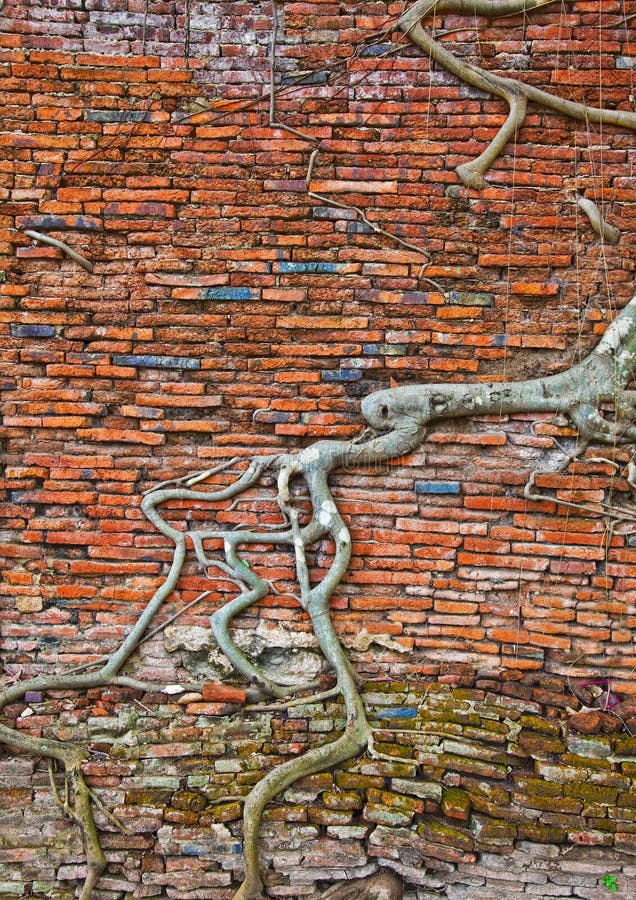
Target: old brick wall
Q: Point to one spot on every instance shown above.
(230, 313)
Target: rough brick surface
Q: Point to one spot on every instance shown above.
(230, 313)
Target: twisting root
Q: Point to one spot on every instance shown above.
(398, 419)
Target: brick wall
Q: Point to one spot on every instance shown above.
(228, 313)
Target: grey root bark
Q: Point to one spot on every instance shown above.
(398, 419)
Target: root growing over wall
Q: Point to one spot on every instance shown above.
(397, 419)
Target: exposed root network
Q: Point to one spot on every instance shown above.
(398, 419)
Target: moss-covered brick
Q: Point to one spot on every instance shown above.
(456, 804)
(541, 834)
(394, 688)
(395, 801)
(566, 805)
(286, 813)
(627, 799)
(471, 766)
(442, 833)
(594, 793)
(189, 800)
(221, 812)
(388, 769)
(148, 797)
(540, 745)
(397, 750)
(493, 793)
(537, 787)
(348, 781)
(538, 724)
(492, 833)
(319, 781)
(625, 745)
(590, 748)
(342, 800)
(610, 779)
(320, 816)
(377, 814)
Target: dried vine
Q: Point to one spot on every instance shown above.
(397, 420)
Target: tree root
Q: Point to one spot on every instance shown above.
(515, 93)
(604, 230)
(398, 419)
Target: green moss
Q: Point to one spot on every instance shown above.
(492, 833)
(541, 834)
(377, 814)
(320, 816)
(395, 801)
(536, 723)
(342, 800)
(540, 745)
(595, 793)
(443, 833)
(148, 797)
(456, 803)
(222, 812)
(536, 787)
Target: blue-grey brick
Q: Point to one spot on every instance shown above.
(230, 293)
(397, 712)
(437, 487)
(310, 268)
(377, 50)
(341, 375)
(313, 78)
(41, 331)
(328, 212)
(158, 362)
(274, 417)
(384, 349)
(115, 115)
